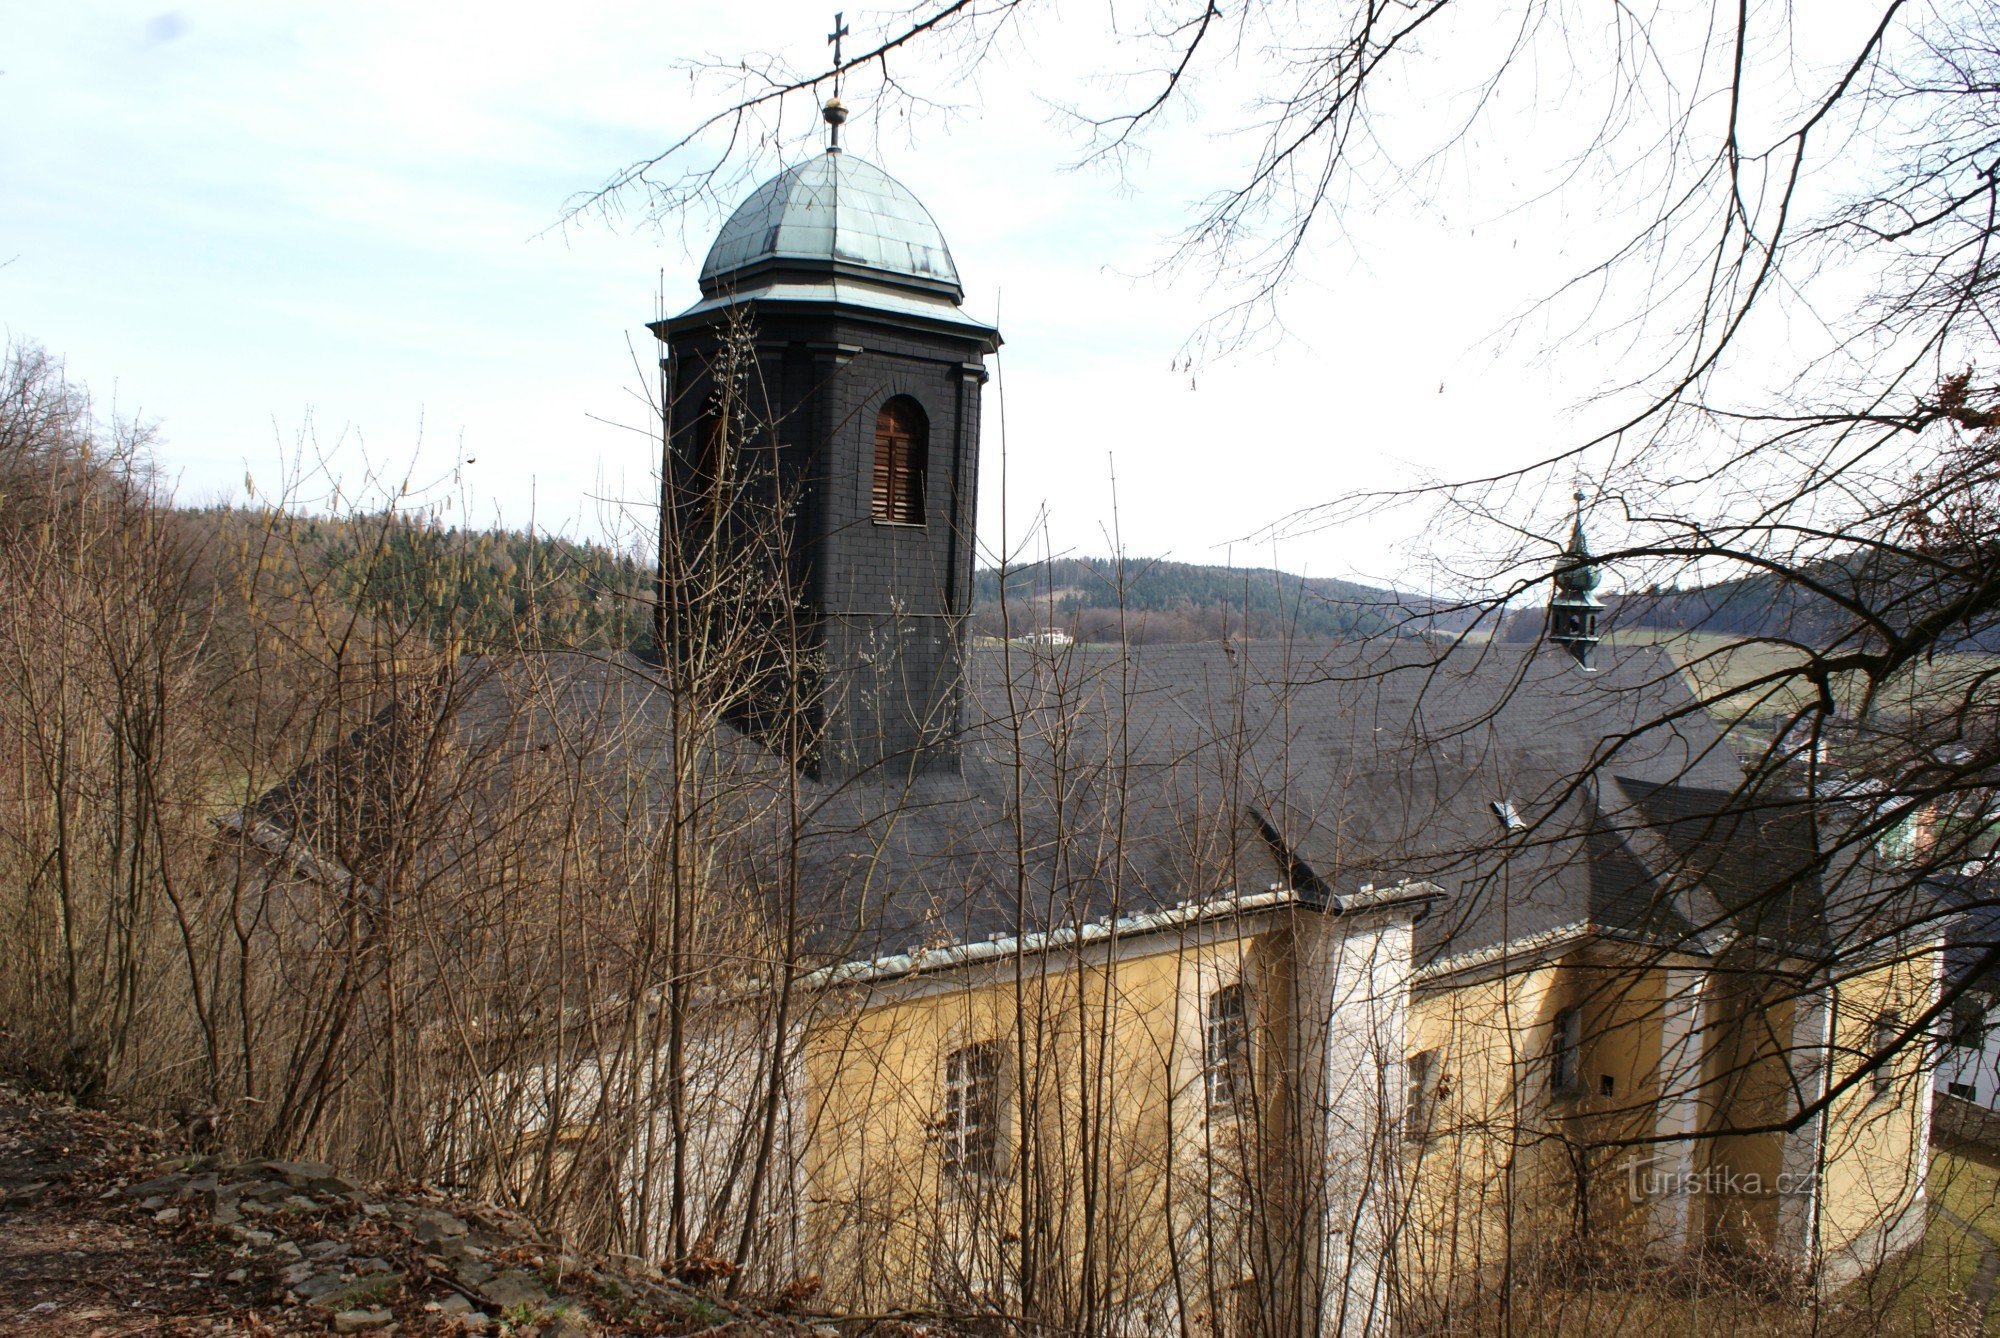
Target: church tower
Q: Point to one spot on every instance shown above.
(823, 408)
(1574, 608)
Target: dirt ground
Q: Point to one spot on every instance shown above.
(109, 1228)
(74, 1261)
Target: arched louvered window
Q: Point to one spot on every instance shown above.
(711, 435)
(902, 453)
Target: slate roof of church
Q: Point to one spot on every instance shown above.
(1146, 779)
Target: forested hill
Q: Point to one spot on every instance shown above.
(495, 588)
(1812, 606)
(480, 589)
(1154, 600)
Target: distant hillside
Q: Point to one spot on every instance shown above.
(1750, 606)
(502, 588)
(1160, 601)
(1767, 605)
(482, 589)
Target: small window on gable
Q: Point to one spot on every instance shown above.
(902, 457)
(970, 1125)
(1566, 1052)
(1226, 1049)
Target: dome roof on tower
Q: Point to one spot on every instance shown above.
(838, 212)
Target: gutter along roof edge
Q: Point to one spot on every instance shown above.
(1147, 923)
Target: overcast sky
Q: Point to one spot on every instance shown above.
(251, 221)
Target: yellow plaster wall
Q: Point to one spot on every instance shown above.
(1622, 1010)
(1473, 1176)
(1751, 1070)
(1132, 1165)
(1514, 1162)
(1116, 1097)
(1872, 1169)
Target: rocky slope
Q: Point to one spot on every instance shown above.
(105, 1230)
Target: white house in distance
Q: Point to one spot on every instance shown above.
(1968, 1061)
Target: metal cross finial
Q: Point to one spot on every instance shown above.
(835, 110)
(839, 31)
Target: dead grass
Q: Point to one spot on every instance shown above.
(1925, 1294)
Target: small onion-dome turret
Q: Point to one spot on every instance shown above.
(1578, 574)
(1574, 609)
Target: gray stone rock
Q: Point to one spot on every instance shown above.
(23, 1195)
(225, 1214)
(451, 1304)
(453, 1250)
(251, 1236)
(361, 1321)
(328, 1249)
(165, 1185)
(349, 1292)
(515, 1286)
(475, 1273)
(569, 1322)
(318, 1285)
(433, 1226)
(167, 1216)
(299, 1203)
(297, 1174)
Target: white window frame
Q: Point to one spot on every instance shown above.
(1425, 1074)
(969, 1126)
(1566, 1053)
(1225, 1048)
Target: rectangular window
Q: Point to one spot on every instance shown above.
(1888, 1030)
(1962, 1089)
(1226, 1049)
(1566, 1052)
(1968, 1022)
(1420, 1114)
(971, 1123)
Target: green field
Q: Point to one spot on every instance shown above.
(1755, 687)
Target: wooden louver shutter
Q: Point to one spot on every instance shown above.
(900, 451)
